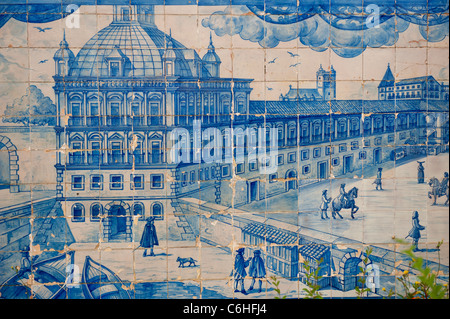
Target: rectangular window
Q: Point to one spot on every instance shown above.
(207, 174)
(316, 152)
(280, 160)
(137, 181)
(304, 155)
(377, 141)
(366, 142)
(200, 175)
(116, 182)
(329, 150)
(402, 136)
(78, 182)
(362, 155)
(292, 157)
(253, 166)
(273, 178)
(96, 182)
(94, 109)
(114, 68)
(342, 147)
(306, 169)
(335, 161)
(192, 177)
(226, 171)
(183, 179)
(157, 181)
(355, 145)
(240, 168)
(391, 138)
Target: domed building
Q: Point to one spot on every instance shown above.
(117, 100)
(124, 93)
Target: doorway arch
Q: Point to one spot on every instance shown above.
(291, 180)
(10, 176)
(117, 224)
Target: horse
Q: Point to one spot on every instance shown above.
(349, 203)
(437, 190)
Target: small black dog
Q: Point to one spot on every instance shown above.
(183, 261)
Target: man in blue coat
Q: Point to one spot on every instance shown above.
(239, 270)
(257, 269)
(149, 237)
(414, 233)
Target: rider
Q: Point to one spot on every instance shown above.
(444, 183)
(343, 194)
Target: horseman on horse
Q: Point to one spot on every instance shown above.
(344, 201)
(439, 189)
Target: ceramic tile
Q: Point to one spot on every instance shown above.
(215, 149)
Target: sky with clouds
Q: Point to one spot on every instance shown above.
(245, 48)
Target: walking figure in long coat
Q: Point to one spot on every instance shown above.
(149, 237)
(420, 173)
(324, 205)
(414, 233)
(239, 270)
(257, 269)
(377, 181)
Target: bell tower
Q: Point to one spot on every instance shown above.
(63, 58)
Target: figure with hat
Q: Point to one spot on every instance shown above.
(420, 173)
(324, 205)
(149, 237)
(377, 181)
(239, 270)
(342, 195)
(256, 269)
(414, 233)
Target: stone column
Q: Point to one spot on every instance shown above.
(371, 124)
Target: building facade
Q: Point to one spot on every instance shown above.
(325, 88)
(117, 106)
(424, 87)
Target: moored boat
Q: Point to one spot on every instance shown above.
(99, 282)
(45, 279)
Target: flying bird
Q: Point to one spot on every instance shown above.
(273, 61)
(42, 61)
(293, 55)
(270, 89)
(42, 29)
(294, 65)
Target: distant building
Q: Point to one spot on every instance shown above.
(325, 88)
(424, 87)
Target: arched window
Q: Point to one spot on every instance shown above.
(78, 213)
(157, 211)
(77, 112)
(304, 132)
(154, 110)
(317, 131)
(96, 211)
(138, 210)
(241, 105)
(95, 149)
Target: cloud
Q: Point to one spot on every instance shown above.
(434, 33)
(315, 32)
